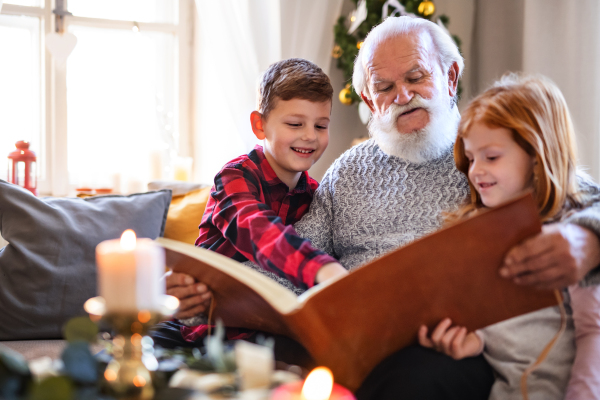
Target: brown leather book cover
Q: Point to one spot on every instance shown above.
(353, 323)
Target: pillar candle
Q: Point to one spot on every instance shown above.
(129, 273)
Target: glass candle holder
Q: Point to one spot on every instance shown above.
(128, 374)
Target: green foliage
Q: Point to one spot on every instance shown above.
(78, 376)
(216, 356)
(80, 329)
(348, 42)
(52, 388)
(79, 364)
(14, 374)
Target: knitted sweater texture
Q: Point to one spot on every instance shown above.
(370, 203)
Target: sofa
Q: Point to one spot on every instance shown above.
(47, 252)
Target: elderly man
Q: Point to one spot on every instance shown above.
(392, 189)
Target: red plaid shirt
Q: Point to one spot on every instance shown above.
(249, 216)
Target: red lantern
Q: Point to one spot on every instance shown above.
(22, 167)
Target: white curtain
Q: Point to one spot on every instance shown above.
(236, 40)
(562, 41)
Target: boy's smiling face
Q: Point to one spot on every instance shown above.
(295, 133)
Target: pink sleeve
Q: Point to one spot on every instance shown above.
(585, 374)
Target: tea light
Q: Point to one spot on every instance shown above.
(129, 272)
(318, 385)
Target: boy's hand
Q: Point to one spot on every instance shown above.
(454, 342)
(194, 297)
(329, 271)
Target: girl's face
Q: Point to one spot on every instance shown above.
(499, 168)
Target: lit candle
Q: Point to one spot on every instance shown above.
(129, 272)
(318, 385)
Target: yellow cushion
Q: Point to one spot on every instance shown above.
(185, 214)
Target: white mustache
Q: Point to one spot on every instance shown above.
(395, 110)
(416, 102)
(420, 146)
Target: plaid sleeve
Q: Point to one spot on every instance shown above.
(256, 231)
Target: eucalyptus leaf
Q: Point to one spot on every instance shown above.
(80, 328)
(215, 349)
(11, 387)
(13, 361)
(53, 388)
(14, 374)
(79, 364)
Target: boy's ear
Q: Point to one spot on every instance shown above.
(257, 125)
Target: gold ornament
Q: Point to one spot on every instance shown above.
(345, 98)
(337, 51)
(426, 8)
(359, 44)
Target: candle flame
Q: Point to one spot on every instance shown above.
(139, 381)
(172, 303)
(144, 316)
(110, 375)
(128, 240)
(318, 384)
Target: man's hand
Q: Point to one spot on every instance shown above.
(452, 341)
(329, 271)
(194, 297)
(558, 257)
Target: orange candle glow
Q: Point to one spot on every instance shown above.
(318, 385)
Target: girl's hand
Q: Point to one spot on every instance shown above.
(452, 341)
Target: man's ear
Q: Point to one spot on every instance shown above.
(367, 101)
(256, 120)
(453, 79)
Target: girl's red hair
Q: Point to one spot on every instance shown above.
(535, 111)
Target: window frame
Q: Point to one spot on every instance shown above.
(53, 174)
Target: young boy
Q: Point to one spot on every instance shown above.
(257, 197)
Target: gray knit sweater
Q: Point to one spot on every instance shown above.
(370, 203)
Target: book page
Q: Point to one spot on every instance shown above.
(283, 300)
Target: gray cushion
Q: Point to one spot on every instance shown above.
(48, 269)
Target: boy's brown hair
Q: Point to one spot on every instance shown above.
(294, 78)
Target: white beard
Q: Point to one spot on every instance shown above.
(423, 145)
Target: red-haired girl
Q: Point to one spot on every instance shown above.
(515, 137)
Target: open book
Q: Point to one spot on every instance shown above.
(353, 323)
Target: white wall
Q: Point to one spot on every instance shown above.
(555, 38)
(461, 14)
(562, 41)
(497, 45)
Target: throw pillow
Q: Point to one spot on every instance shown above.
(48, 268)
(185, 215)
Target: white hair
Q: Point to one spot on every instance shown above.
(447, 50)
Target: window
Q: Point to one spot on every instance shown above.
(98, 119)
